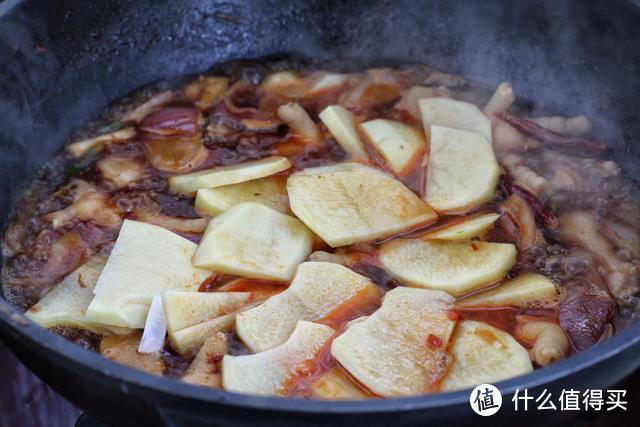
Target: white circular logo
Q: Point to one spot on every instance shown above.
(485, 400)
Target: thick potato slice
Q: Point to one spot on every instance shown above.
(205, 368)
(267, 372)
(450, 113)
(336, 385)
(484, 354)
(349, 203)
(227, 175)
(124, 349)
(455, 267)
(463, 171)
(340, 123)
(270, 191)
(399, 144)
(527, 290)
(317, 289)
(189, 340)
(476, 226)
(145, 259)
(66, 304)
(356, 320)
(327, 81)
(184, 309)
(400, 349)
(254, 241)
(192, 317)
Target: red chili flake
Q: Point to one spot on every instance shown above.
(214, 363)
(474, 247)
(453, 315)
(434, 342)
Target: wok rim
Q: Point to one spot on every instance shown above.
(35, 336)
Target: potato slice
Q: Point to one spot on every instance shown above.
(254, 241)
(192, 317)
(266, 373)
(339, 121)
(336, 385)
(349, 203)
(356, 320)
(278, 80)
(317, 289)
(184, 309)
(527, 290)
(145, 259)
(455, 267)
(463, 171)
(326, 82)
(484, 354)
(226, 175)
(270, 191)
(205, 368)
(476, 226)
(398, 143)
(189, 340)
(400, 349)
(124, 349)
(66, 304)
(454, 114)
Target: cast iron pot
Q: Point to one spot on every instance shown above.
(63, 62)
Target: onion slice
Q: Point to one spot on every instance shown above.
(155, 328)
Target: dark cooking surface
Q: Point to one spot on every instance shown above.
(27, 402)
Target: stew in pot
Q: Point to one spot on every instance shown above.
(285, 230)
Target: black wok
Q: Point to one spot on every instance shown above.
(62, 62)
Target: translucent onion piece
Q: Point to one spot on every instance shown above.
(155, 328)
